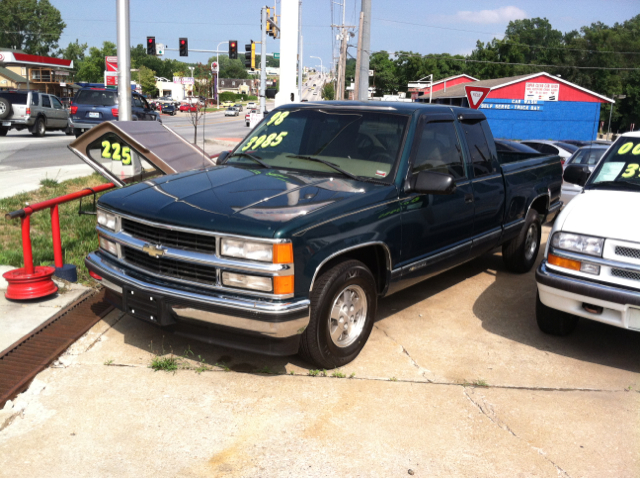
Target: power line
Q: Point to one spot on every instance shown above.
(435, 26)
(537, 64)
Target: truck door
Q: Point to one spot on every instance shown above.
(59, 113)
(436, 229)
(487, 183)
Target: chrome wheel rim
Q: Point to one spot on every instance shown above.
(531, 241)
(348, 316)
(41, 127)
(3, 108)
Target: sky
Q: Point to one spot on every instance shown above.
(410, 25)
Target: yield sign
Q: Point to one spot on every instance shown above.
(476, 95)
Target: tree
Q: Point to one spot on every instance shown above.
(147, 80)
(328, 91)
(33, 26)
(75, 51)
(385, 78)
(91, 69)
(230, 68)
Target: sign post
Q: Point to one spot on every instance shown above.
(476, 95)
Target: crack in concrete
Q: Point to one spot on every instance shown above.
(422, 370)
(487, 410)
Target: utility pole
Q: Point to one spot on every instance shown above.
(124, 60)
(300, 50)
(356, 92)
(342, 68)
(263, 63)
(363, 85)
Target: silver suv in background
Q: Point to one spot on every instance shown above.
(38, 112)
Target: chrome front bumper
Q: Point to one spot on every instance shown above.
(269, 319)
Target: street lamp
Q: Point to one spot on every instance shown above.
(320, 62)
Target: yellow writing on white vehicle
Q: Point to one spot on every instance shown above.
(116, 152)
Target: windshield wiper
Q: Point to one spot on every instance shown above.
(327, 163)
(251, 157)
(614, 183)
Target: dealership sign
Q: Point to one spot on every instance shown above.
(541, 91)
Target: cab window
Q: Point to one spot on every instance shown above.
(439, 150)
(478, 148)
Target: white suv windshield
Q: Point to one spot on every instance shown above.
(621, 164)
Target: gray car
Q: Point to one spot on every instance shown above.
(38, 112)
(587, 155)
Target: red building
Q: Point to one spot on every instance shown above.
(421, 87)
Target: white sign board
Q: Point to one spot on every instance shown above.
(159, 49)
(541, 91)
(214, 67)
(371, 73)
(184, 80)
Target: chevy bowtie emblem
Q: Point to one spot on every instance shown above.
(153, 250)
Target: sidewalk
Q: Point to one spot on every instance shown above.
(16, 181)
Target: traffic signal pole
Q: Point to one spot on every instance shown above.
(263, 62)
(124, 61)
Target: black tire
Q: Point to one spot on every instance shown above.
(552, 321)
(68, 131)
(520, 253)
(348, 281)
(4, 131)
(39, 129)
(5, 108)
(77, 132)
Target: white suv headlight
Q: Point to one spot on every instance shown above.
(246, 250)
(107, 220)
(578, 243)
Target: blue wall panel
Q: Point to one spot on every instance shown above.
(558, 120)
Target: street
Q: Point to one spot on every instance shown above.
(25, 159)
(311, 93)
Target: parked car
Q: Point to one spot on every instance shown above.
(510, 151)
(169, 109)
(251, 105)
(591, 267)
(92, 106)
(311, 219)
(549, 147)
(189, 107)
(587, 155)
(36, 111)
(231, 111)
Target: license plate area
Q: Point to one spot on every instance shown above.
(634, 318)
(143, 305)
(6, 123)
(93, 114)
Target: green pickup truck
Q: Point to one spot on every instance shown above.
(287, 243)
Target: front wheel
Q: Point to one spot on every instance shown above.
(39, 129)
(552, 321)
(343, 308)
(520, 253)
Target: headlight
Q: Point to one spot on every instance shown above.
(108, 246)
(270, 253)
(107, 220)
(245, 281)
(578, 243)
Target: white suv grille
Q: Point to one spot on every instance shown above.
(627, 252)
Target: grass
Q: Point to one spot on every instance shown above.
(78, 231)
(165, 363)
(108, 362)
(338, 374)
(264, 370)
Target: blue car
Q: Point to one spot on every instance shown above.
(92, 106)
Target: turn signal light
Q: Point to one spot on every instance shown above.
(74, 109)
(283, 253)
(563, 262)
(283, 285)
(114, 112)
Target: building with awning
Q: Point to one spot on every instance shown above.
(536, 106)
(19, 70)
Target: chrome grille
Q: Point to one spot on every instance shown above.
(171, 238)
(628, 252)
(620, 273)
(170, 267)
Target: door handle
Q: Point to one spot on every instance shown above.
(468, 198)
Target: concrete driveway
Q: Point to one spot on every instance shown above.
(456, 380)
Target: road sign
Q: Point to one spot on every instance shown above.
(214, 67)
(371, 72)
(476, 95)
(111, 64)
(159, 49)
(276, 55)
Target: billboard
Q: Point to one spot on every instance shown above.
(541, 91)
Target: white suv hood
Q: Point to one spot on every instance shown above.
(604, 213)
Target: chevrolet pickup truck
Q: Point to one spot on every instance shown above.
(288, 242)
(591, 268)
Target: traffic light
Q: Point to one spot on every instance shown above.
(250, 55)
(267, 27)
(233, 50)
(151, 46)
(184, 47)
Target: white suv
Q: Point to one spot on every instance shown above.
(592, 261)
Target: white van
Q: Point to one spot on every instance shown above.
(591, 267)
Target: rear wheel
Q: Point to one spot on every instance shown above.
(520, 253)
(552, 321)
(68, 131)
(343, 308)
(39, 128)
(77, 132)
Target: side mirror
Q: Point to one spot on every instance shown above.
(432, 183)
(222, 157)
(576, 174)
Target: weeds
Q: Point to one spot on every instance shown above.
(313, 372)
(393, 378)
(481, 383)
(264, 370)
(169, 364)
(352, 375)
(49, 182)
(222, 365)
(108, 362)
(338, 374)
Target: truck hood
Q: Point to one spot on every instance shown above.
(603, 213)
(253, 202)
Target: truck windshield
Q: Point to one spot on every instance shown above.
(620, 165)
(365, 144)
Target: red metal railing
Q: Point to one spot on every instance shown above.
(25, 215)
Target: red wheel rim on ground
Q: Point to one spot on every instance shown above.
(23, 285)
